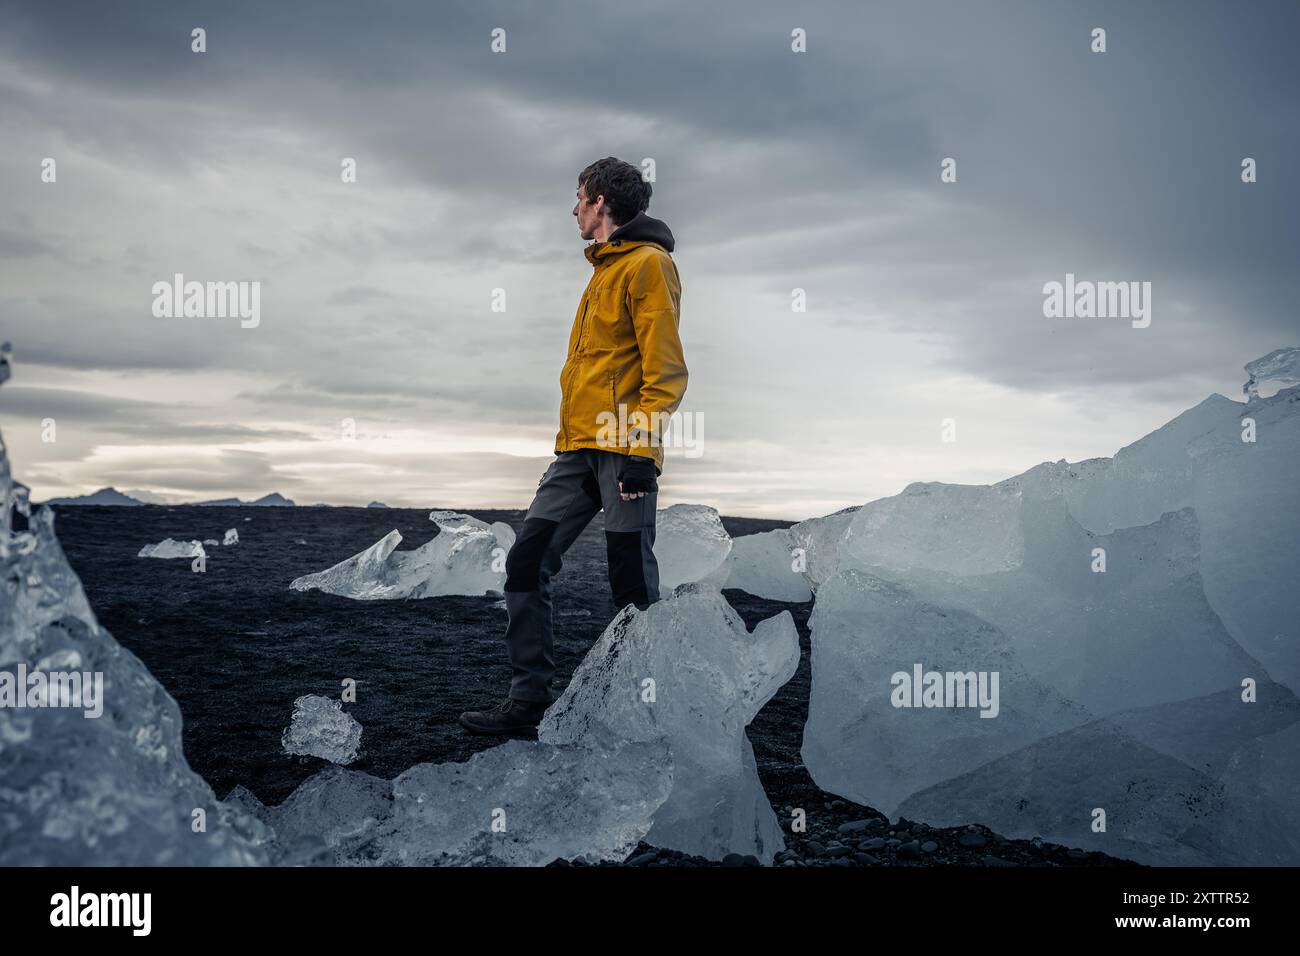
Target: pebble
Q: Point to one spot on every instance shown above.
(973, 838)
(991, 860)
(736, 859)
(815, 848)
(642, 859)
(909, 851)
(875, 843)
(838, 851)
(856, 826)
(866, 858)
(929, 846)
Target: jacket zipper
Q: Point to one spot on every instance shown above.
(577, 348)
(582, 324)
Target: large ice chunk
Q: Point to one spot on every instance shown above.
(320, 728)
(686, 670)
(1125, 588)
(169, 548)
(112, 789)
(232, 537)
(466, 557)
(520, 804)
(690, 545)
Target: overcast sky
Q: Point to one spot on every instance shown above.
(776, 170)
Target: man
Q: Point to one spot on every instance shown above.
(625, 374)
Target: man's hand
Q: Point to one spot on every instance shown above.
(637, 478)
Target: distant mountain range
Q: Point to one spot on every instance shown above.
(273, 500)
(111, 496)
(104, 496)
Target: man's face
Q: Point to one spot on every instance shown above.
(588, 213)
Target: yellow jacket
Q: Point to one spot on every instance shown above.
(625, 372)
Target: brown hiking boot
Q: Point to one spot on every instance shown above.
(510, 717)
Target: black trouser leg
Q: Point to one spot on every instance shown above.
(566, 501)
(629, 536)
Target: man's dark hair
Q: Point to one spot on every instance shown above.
(626, 192)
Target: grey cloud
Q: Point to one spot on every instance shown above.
(116, 416)
(775, 171)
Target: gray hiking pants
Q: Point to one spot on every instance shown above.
(576, 486)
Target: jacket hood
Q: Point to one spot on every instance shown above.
(637, 230)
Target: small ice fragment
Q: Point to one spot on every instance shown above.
(169, 548)
(467, 557)
(320, 728)
(1281, 366)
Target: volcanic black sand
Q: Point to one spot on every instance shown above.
(235, 647)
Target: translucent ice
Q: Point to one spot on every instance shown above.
(520, 804)
(1056, 788)
(686, 670)
(934, 527)
(320, 728)
(466, 557)
(1281, 367)
(1235, 467)
(168, 548)
(858, 742)
(1126, 603)
(110, 790)
(1203, 782)
(817, 543)
(690, 545)
(766, 565)
(232, 537)
(772, 563)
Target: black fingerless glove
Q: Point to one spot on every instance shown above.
(638, 474)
